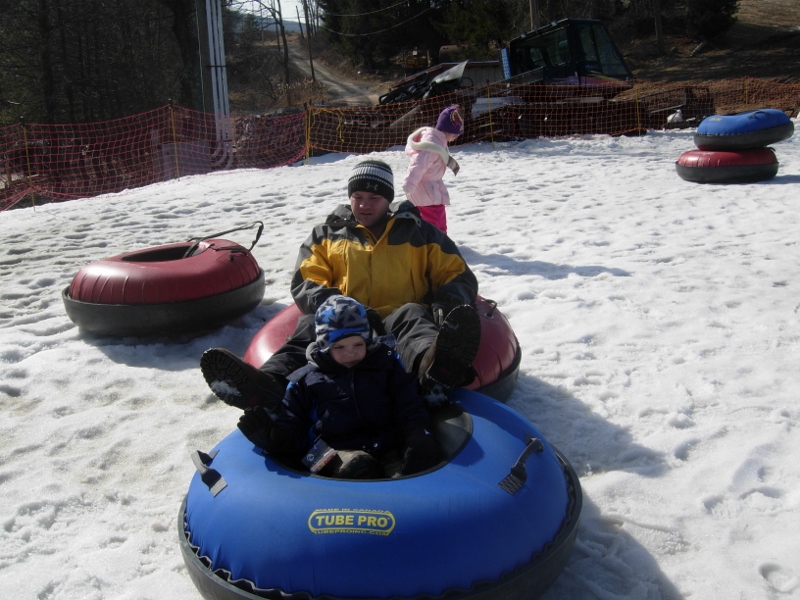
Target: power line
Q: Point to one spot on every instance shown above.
(366, 13)
(377, 32)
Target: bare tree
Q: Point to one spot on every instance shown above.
(273, 9)
(83, 60)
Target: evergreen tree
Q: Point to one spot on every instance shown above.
(479, 27)
(85, 60)
(707, 19)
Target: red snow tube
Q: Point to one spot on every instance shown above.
(744, 166)
(194, 285)
(497, 362)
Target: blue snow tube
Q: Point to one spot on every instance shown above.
(743, 131)
(497, 519)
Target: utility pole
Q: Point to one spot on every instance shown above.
(282, 32)
(299, 22)
(306, 10)
(659, 28)
(534, 6)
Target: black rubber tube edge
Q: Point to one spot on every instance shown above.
(140, 320)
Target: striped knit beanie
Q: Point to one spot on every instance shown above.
(372, 176)
(340, 317)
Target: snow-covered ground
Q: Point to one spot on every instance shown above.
(658, 320)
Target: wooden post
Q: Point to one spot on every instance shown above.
(28, 161)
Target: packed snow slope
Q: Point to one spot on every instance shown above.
(658, 320)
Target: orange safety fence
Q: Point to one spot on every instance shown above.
(497, 112)
(64, 162)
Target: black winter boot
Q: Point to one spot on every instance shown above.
(448, 362)
(238, 383)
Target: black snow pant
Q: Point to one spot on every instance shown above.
(412, 326)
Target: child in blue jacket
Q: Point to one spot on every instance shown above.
(355, 396)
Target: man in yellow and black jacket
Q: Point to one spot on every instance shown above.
(410, 276)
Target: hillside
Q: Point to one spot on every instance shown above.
(764, 43)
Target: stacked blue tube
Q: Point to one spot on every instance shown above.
(736, 148)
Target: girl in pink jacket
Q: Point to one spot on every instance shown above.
(427, 148)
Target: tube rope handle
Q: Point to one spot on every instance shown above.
(211, 477)
(489, 314)
(519, 474)
(197, 240)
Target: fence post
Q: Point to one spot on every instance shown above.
(307, 113)
(8, 175)
(27, 161)
(489, 102)
(638, 111)
(174, 139)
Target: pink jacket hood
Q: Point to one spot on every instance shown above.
(427, 148)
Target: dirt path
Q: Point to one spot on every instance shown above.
(341, 92)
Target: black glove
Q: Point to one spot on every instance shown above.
(422, 452)
(256, 425)
(375, 321)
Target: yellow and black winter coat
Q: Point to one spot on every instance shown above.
(412, 261)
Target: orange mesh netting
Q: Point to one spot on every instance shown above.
(497, 112)
(64, 162)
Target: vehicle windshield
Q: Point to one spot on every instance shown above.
(574, 48)
(599, 53)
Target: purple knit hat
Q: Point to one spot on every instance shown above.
(451, 120)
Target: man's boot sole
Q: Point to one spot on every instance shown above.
(456, 346)
(234, 382)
